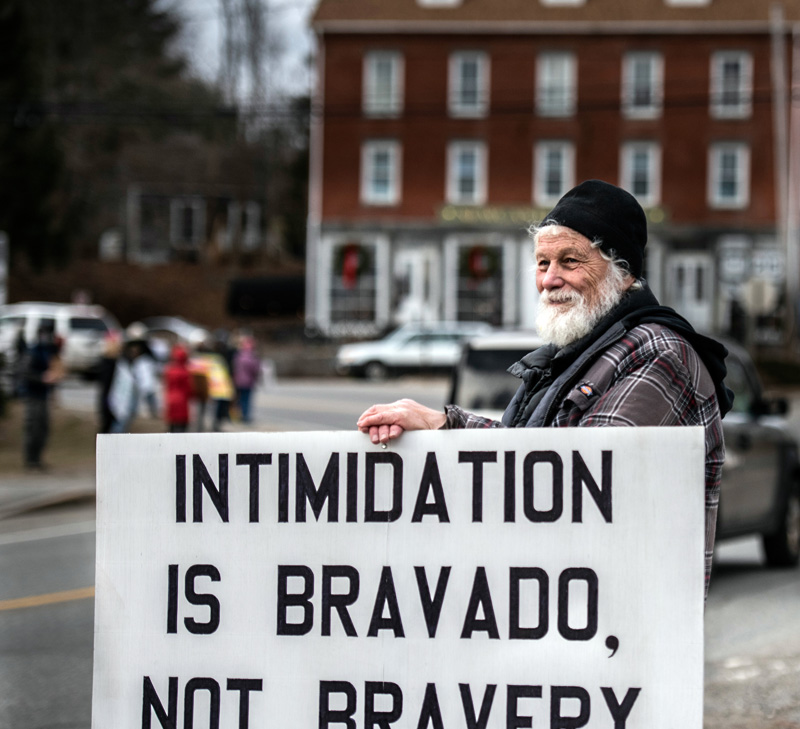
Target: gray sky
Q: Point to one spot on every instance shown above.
(288, 20)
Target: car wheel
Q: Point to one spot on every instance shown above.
(375, 371)
(782, 547)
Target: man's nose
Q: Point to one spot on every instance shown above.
(552, 278)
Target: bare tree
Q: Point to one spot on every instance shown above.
(231, 50)
(256, 47)
(249, 50)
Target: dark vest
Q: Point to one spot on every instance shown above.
(549, 373)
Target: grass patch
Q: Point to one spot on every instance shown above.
(71, 446)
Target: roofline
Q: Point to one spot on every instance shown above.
(534, 27)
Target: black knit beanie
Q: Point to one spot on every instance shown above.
(606, 213)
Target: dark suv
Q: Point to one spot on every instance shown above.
(761, 476)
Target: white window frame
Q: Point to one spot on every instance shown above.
(556, 83)
(377, 101)
(369, 152)
(716, 154)
(720, 108)
(232, 226)
(541, 170)
(243, 226)
(453, 189)
(458, 107)
(628, 171)
(557, 3)
(251, 226)
(177, 207)
(653, 86)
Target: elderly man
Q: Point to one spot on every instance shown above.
(614, 356)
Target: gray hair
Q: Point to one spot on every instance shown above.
(619, 269)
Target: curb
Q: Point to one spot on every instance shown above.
(44, 501)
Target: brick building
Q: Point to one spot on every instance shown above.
(443, 128)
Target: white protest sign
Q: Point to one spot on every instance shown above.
(478, 578)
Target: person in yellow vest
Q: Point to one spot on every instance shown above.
(213, 367)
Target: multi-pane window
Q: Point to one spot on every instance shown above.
(251, 223)
(554, 171)
(383, 83)
(353, 284)
(556, 78)
(469, 84)
(731, 84)
(380, 172)
(642, 85)
(479, 287)
(466, 173)
(729, 175)
(641, 171)
(243, 226)
(187, 222)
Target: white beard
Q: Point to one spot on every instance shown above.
(561, 325)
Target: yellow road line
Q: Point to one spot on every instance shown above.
(36, 600)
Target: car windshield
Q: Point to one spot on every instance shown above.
(11, 323)
(87, 323)
(483, 383)
(737, 380)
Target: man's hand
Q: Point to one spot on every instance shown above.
(385, 422)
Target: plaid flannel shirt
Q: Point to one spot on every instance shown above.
(651, 376)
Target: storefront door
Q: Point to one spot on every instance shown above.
(690, 278)
(416, 284)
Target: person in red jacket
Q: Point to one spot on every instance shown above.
(177, 391)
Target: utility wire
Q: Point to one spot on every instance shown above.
(91, 111)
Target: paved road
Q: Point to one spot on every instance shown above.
(306, 404)
(47, 619)
(752, 642)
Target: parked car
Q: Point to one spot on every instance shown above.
(480, 382)
(82, 328)
(433, 347)
(760, 479)
(165, 331)
(761, 475)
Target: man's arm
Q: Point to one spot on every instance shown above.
(658, 390)
(459, 418)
